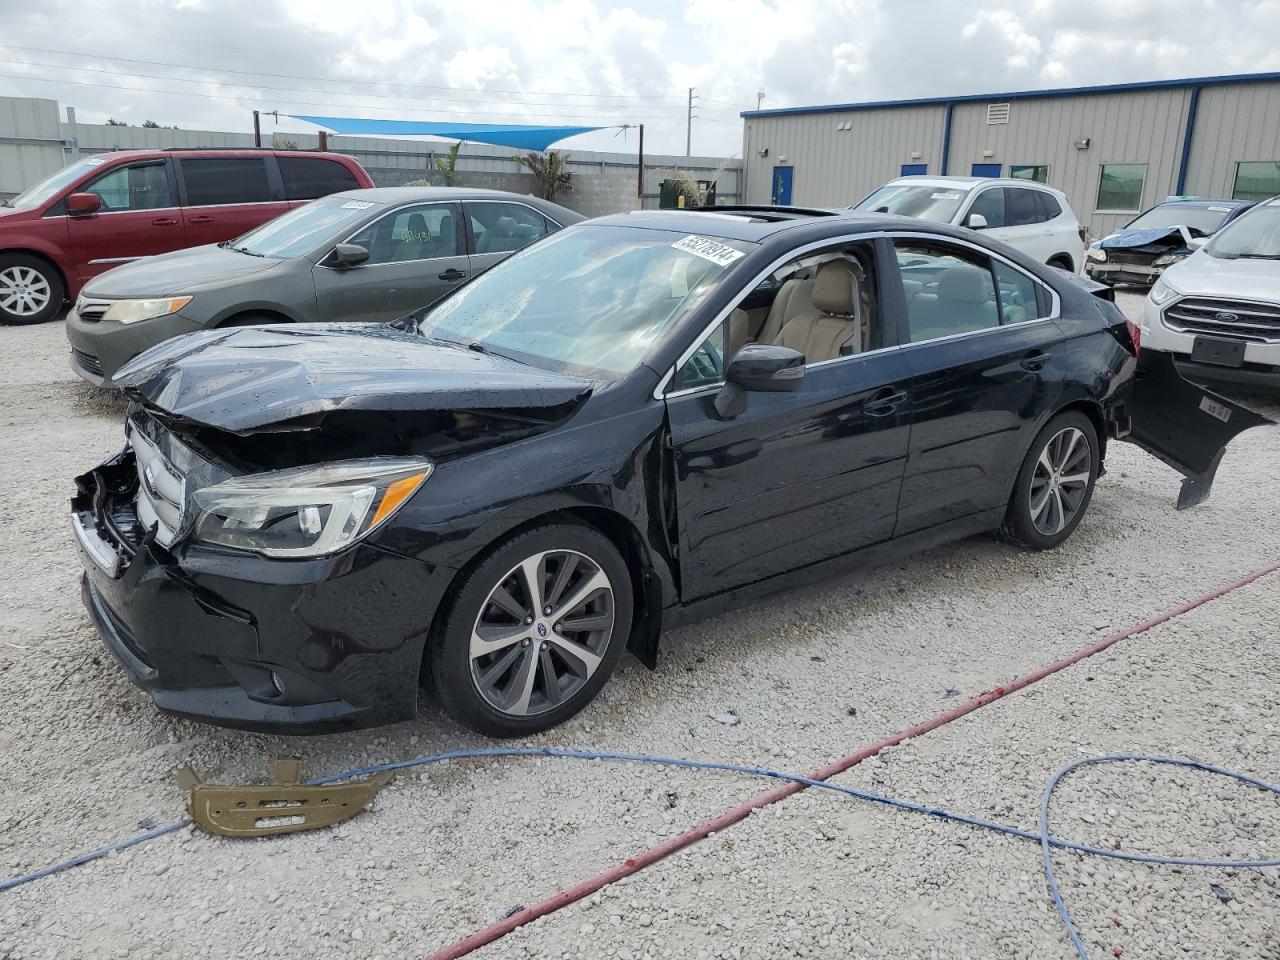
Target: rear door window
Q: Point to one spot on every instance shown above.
(223, 181)
(504, 227)
(949, 290)
(1021, 207)
(1049, 207)
(306, 178)
(139, 186)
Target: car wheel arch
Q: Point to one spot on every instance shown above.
(1063, 261)
(251, 317)
(44, 258)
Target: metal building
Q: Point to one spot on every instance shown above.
(1114, 150)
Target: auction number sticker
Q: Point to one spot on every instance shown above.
(708, 249)
(946, 195)
(356, 205)
(1215, 409)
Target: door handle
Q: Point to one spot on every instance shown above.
(452, 274)
(884, 402)
(1036, 359)
(201, 219)
(164, 222)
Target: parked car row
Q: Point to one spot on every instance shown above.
(114, 208)
(629, 423)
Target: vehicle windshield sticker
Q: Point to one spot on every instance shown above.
(356, 205)
(94, 162)
(1215, 409)
(1220, 209)
(946, 195)
(708, 250)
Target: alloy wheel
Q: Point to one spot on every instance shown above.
(542, 632)
(1060, 481)
(24, 291)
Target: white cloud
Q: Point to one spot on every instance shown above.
(605, 61)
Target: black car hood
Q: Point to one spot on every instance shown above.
(244, 379)
(180, 272)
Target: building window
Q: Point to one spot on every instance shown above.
(1257, 180)
(1120, 187)
(1038, 172)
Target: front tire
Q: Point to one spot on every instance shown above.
(30, 290)
(1055, 483)
(534, 631)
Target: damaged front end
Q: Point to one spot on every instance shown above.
(1138, 256)
(1182, 424)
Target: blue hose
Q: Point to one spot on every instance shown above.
(1046, 840)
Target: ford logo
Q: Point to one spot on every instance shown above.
(1225, 317)
(542, 629)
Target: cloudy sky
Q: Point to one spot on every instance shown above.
(205, 64)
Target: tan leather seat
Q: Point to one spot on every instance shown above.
(836, 318)
(793, 299)
(739, 332)
(965, 301)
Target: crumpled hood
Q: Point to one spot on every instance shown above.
(1143, 236)
(249, 377)
(177, 273)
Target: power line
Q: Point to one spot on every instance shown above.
(337, 80)
(152, 76)
(308, 103)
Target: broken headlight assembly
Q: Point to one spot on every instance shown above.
(1095, 252)
(132, 311)
(1167, 258)
(306, 511)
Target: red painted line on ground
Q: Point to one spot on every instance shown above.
(736, 814)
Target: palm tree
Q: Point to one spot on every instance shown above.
(448, 166)
(549, 171)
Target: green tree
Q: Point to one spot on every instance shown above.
(549, 172)
(113, 122)
(448, 165)
(151, 124)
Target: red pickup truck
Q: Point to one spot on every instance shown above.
(112, 208)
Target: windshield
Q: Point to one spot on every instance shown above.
(303, 229)
(916, 200)
(1256, 234)
(1201, 220)
(593, 299)
(51, 186)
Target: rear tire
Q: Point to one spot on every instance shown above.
(31, 291)
(1055, 483)
(505, 666)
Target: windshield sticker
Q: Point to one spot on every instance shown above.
(1220, 209)
(94, 162)
(356, 205)
(717, 253)
(947, 195)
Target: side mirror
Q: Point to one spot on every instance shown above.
(976, 221)
(761, 367)
(1195, 243)
(346, 255)
(83, 204)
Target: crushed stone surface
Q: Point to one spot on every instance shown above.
(810, 676)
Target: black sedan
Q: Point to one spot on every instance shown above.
(638, 420)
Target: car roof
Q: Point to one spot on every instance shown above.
(144, 154)
(925, 180)
(406, 194)
(755, 224)
(1201, 202)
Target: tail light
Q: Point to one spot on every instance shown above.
(1084, 235)
(1135, 334)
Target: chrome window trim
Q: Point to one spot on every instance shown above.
(658, 391)
(118, 259)
(1055, 311)
(515, 203)
(391, 213)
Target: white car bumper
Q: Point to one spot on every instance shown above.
(1176, 326)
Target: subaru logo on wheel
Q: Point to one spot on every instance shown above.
(542, 629)
(1225, 317)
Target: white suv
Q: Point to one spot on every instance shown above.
(1030, 216)
(1219, 309)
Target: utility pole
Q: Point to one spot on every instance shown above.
(257, 129)
(688, 127)
(640, 170)
(759, 98)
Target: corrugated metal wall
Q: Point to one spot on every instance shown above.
(30, 142)
(1133, 127)
(835, 167)
(1232, 124)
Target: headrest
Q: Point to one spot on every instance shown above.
(418, 226)
(505, 227)
(836, 287)
(966, 284)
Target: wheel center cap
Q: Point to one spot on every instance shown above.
(542, 629)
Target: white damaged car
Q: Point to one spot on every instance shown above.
(1218, 311)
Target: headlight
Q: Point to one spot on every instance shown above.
(1167, 258)
(131, 311)
(306, 511)
(1096, 253)
(1161, 292)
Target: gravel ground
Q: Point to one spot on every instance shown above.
(812, 675)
